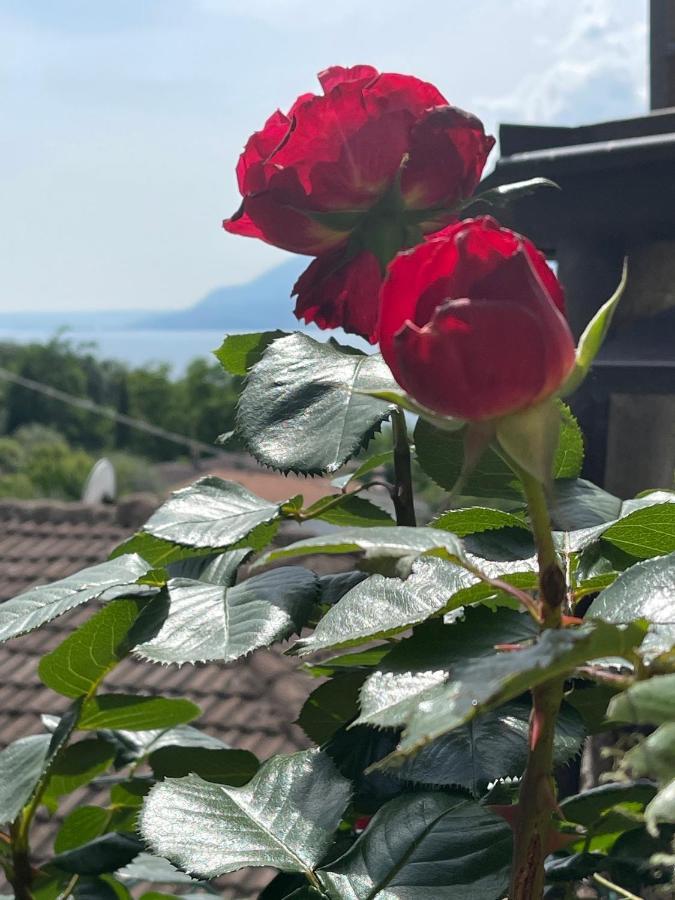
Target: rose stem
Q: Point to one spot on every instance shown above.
(536, 800)
(402, 494)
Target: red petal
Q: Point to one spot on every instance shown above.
(250, 171)
(334, 293)
(336, 75)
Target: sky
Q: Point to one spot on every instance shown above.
(123, 119)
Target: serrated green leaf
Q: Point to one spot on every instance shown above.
(593, 336)
(39, 605)
(239, 352)
(330, 706)
(107, 853)
(77, 765)
(475, 519)
(81, 662)
(646, 532)
(433, 845)
(392, 543)
(303, 408)
(81, 826)
(645, 591)
(146, 867)
(135, 712)
(21, 765)
(650, 702)
(132, 746)
(224, 621)
(381, 607)
(362, 659)
(569, 456)
(211, 513)
(492, 746)
(285, 817)
(654, 756)
(349, 510)
(482, 684)
(416, 667)
(235, 767)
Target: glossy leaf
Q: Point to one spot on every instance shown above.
(330, 706)
(224, 621)
(239, 352)
(650, 702)
(80, 662)
(107, 853)
(135, 712)
(304, 409)
(589, 807)
(234, 767)
(646, 532)
(21, 766)
(504, 194)
(211, 513)
(482, 684)
(349, 510)
(39, 605)
(381, 607)
(392, 543)
(132, 746)
(654, 756)
(645, 591)
(425, 845)
(285, 817)
(661, 809)
(475, 519)
(492, 746)
(146, 867)
(80, 826)
(77, 765)
(578, 504)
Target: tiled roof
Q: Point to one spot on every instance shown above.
(249, 704)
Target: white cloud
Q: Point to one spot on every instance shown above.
(598, 69)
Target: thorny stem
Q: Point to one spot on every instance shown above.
(536, 801)
(403, 491)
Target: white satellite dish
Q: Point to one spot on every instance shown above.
(101, 484)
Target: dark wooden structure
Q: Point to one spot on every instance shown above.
(662, 53)
(617, 199)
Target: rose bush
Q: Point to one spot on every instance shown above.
(353, 176)
(472, 322)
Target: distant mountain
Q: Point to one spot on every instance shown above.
(46, 320)
(259, 304)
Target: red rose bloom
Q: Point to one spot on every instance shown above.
(357, 173)
(472, 322)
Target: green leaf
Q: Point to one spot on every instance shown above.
(330, 706)
(132, 746)
(214, 619)
(578, 504)
(646, 532)
(107, 853)
(240, 352)
(426, 845)
(381, 607)
(476, 519)
(39, 605)
(654, 756)
(234, 767)
(146, 867)
(349, 510)
(81, 826)
(569, 456)
(362, 659)
(591, 701)
(135, 713)
(650, 702)
(285, 817)
(593, 336)
(492, 746)
(211, 513)
(441, 456)
(77, 765)
(303, 408)
(530, 438)
(482, 684)
(86, 656)
(661, 809)
(376, 543)
(593, 805)
(376, 461)
(504, 194)
(21, 765)
(396, 397)
(416, 667)
(645, 591)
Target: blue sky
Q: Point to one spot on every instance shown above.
(123, 119)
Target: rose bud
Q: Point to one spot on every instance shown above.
(352, 177)
(472, 323)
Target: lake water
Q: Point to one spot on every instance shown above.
(137, 348)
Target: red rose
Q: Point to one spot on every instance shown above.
(361, 171)
(472, 322)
